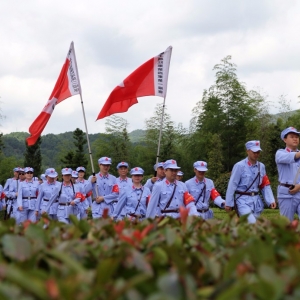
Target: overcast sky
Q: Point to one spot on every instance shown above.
(113, 38)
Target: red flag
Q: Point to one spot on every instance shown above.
(150, 79)
(67, 85)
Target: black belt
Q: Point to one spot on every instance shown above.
(203, 210)
(287, 185)
(247, 193)
(48, 200)
(65, 204)
(170, 211)
(136, 216)
(28, 198)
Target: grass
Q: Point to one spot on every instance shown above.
(221, 214)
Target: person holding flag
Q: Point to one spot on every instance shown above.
(105, 188)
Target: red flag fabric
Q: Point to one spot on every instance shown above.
(67, 85)
(150, 79)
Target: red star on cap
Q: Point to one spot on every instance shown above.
(173, 161)
(202, 164)
(106, 158)
(122, 163)
(257, 143)
(136, 169)
(51, 171)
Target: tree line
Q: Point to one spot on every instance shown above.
(226, 116)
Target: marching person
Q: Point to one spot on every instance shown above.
(179, 176)
(11, 192)
(105, 188)
(46, 190)
(87, 186)
(123, 181)
(248, 177)
(2, 199)
(288, 165)
(133, 200)
(74, 176)
(160, 175)
(203, 189)
(169, 195)
(69, 195)
(27, 195)
(84, 205)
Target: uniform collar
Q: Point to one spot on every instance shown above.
(51, 182)
(169, 183)
(80, 181)
(198, 181)
(31, 181)
(140, 188)
(249, 163)
(103, 176)
(70, 184)
(123, 179)
(289, 150)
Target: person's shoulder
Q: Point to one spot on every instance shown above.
(113, 177)
(181, 184)
(208, 181)
(146, 190)
(191, 180)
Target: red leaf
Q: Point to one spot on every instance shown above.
(105, 213)
(52, 288)
(119, 227)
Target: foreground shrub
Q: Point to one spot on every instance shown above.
(161, 259)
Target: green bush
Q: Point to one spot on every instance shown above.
(156, 259)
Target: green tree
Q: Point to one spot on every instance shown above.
(68, 161)
(169, 136)
(229, 110)
(33, 157)
(76, 156)
(79, 158)
(7, 164)
(215, 158)
(1, 143)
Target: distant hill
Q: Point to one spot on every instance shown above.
(137, 135)
(284, 116)
(52, 144)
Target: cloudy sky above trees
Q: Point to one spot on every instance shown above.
(113, 38)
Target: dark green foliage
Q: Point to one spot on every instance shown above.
(160, 259)
(77, 157)
(33, 157)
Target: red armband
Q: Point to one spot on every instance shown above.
(3, 195)
(115, 189)
(89, 193)
(214, 194)
(37, 193)
(147, 200)
(187, 198)
(265, 182)
(80, 196)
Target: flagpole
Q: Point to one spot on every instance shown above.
(84, 118)
(163, 109)
(160, 131)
